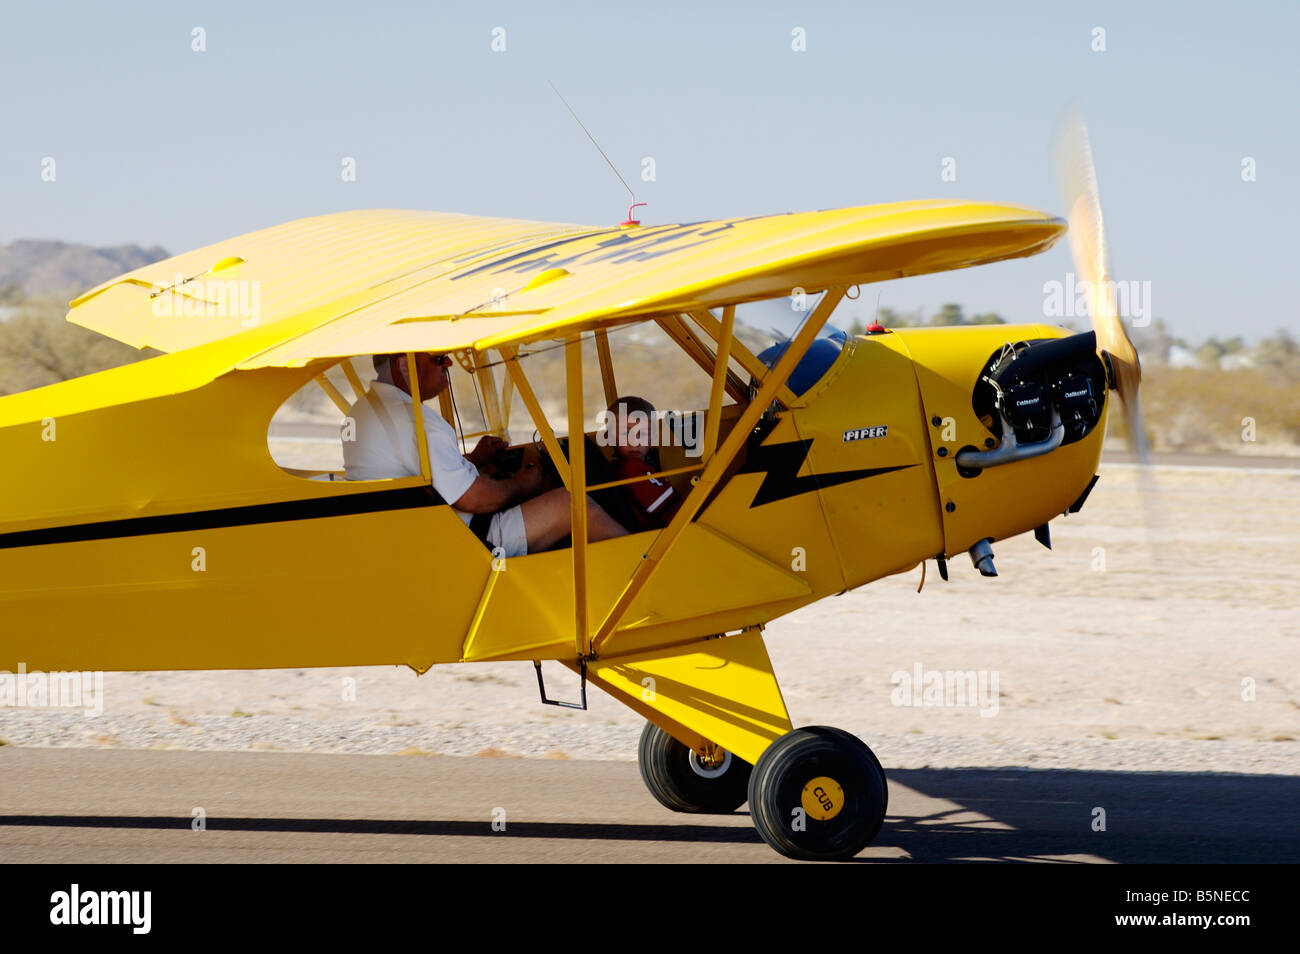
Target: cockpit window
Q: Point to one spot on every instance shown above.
(303, 436)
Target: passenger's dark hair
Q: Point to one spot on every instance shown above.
(633, 403)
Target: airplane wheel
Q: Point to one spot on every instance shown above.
(818, 793)
(678, 778)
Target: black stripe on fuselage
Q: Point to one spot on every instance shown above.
(343, 505)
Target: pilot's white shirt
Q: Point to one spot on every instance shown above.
(384, 444)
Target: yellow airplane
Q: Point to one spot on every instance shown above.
(145, 526)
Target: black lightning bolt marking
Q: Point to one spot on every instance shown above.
(779, 464)
(619, 246)
(527, 251)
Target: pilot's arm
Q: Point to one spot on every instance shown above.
(488, 495)
(487, 448)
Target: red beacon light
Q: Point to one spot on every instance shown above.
(875, 328)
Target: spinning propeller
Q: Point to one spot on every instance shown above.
(1078, 182)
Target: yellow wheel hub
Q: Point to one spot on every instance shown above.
(822, 798)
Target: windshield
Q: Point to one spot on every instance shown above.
(776, 321)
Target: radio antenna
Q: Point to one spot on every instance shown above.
(594, 143)
(876, 327)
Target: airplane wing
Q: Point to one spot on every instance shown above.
(388, 280)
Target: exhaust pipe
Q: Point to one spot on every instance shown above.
(1009, 451)
(982, 556)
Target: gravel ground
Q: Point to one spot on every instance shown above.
(618, 743)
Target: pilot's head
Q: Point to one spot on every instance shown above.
(433, 370)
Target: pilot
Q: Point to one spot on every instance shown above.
(515, 516)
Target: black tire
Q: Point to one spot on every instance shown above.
(676, 778)
(837, 820)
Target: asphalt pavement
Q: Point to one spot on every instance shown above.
(92, 806)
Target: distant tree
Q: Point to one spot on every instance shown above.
(949, 314)
(987, 318)
(1155, 341)
(1279, 351)
(1282, 343)
(1210, 352)
(37, 347)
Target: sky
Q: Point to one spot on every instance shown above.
(156, 142)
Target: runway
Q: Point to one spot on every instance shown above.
(96, 806)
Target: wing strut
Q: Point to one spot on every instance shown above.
(333, 393)
(748, 360)
(713, 471)
(421, 437)
(577, 489)
(354, 379)
(720, 365)
(488, 389)
(511, 355)
(700, 353)
(606, 366)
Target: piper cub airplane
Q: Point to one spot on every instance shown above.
(145, 526)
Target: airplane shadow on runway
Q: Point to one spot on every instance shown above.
(1149, 816)
(995, 815)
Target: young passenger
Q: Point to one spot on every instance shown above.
(630, 426)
